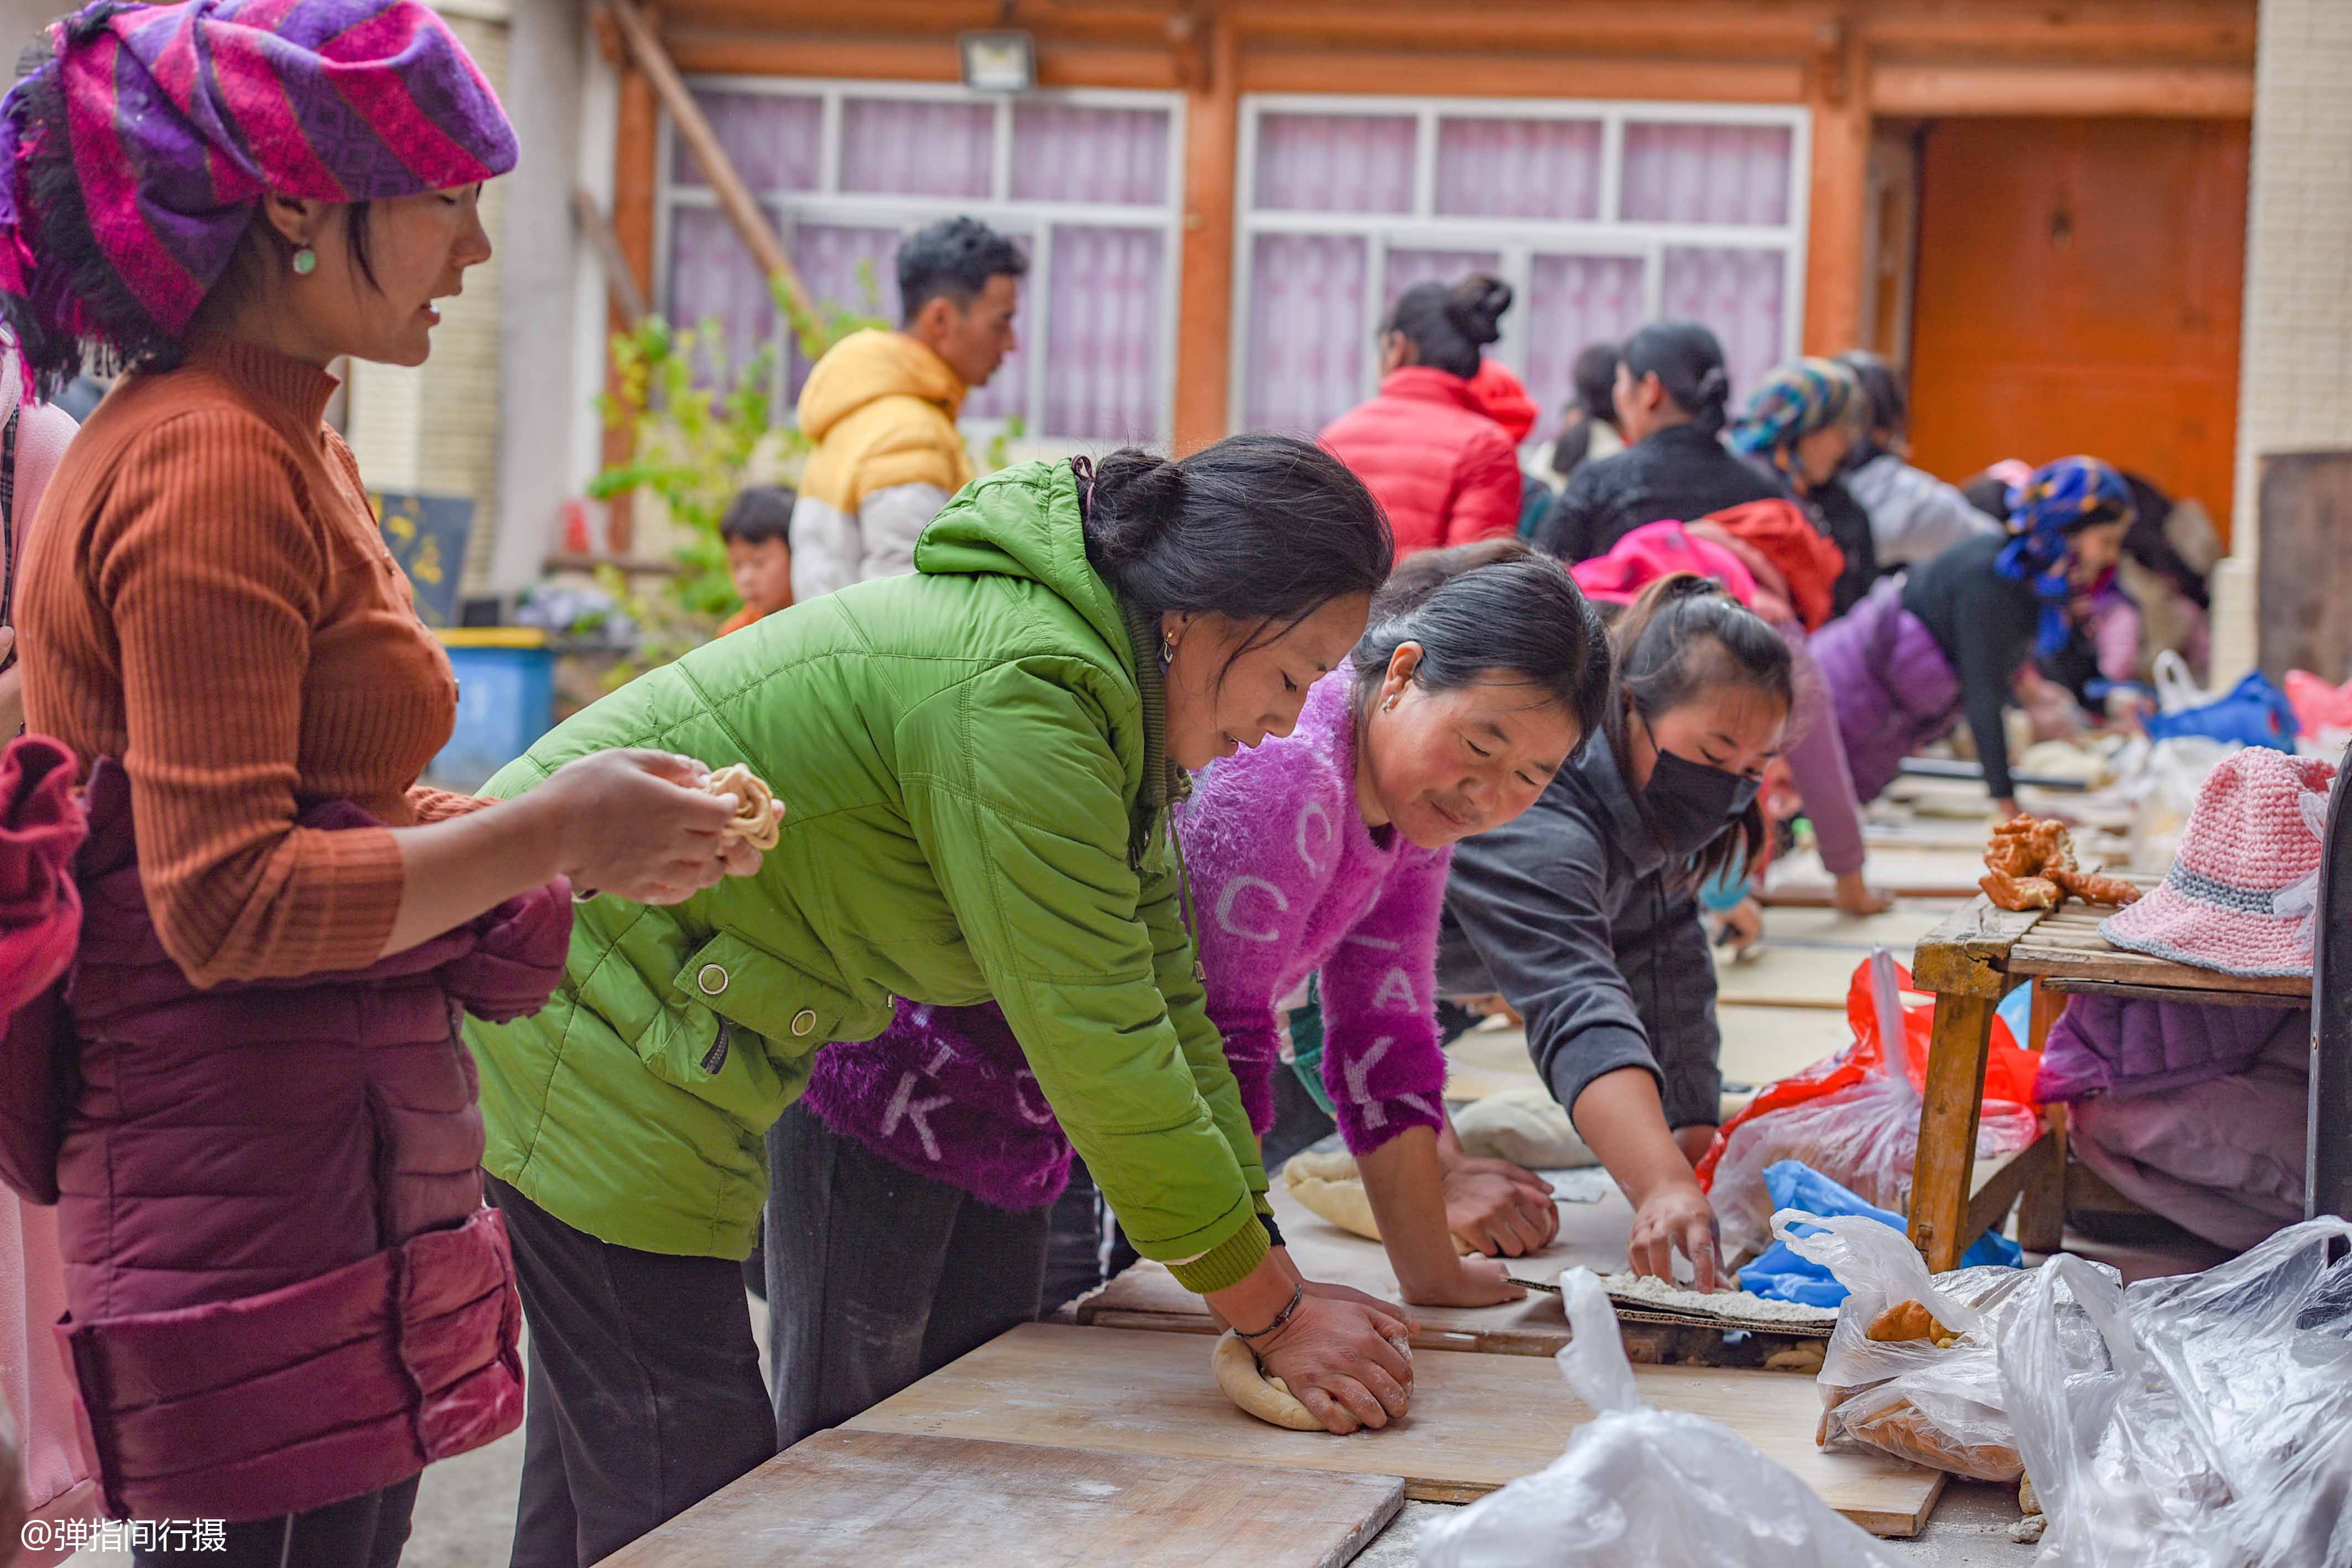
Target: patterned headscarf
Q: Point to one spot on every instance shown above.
(1795, 401)
(180, 117)
(2045, 514)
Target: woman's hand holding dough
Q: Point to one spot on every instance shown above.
(639, 825)
(1500, 1207)
(1677, 1215)
(1346, 1358)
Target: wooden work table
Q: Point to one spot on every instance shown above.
(1968, 964)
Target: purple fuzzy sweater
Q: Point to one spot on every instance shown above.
(1287, 881)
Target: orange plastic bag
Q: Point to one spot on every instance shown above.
(1856, 1120)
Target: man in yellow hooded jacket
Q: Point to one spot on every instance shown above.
(881, 406)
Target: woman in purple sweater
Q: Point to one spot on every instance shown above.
(936, 1159)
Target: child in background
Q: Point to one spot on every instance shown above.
(757, 531)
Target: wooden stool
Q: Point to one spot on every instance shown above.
(1970, 963)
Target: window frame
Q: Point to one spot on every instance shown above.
(1515, 240)
(828, 203)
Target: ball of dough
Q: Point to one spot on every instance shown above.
(1267, 1399)
(1330, 1187)
(1526, 1126)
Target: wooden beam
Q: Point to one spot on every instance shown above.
(2168, 92)
(1837, 94)
(1205, 312)
(1944, 1172)
(727, 51)
(1417, 72)
(735, 199)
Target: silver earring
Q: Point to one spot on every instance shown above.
(1390, 704)
(1167, 650)
(306, 262)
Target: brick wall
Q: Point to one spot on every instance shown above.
(2296, 390)
(436, 428)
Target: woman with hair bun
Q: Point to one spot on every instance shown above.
(1671, 393)
(1429, 443)
(978, 762)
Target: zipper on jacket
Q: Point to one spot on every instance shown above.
(716, 1057)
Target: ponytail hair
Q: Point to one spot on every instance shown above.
(1259, 528)
(1491, 610)
(1448, 326)
(1687, 359)
(1683, 638)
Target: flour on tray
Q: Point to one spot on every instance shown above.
(1647, 1290)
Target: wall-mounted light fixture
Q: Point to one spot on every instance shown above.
(998, 62)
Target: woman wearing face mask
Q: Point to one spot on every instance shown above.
(1949, 639)
(1324, 851)
(1583, 914)
(1670, 391)
(1801, 425)
(978, 760)
(1429, 443)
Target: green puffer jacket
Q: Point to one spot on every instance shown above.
(971, 762)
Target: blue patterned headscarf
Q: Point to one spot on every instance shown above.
(2044, 514)
(1793, 402)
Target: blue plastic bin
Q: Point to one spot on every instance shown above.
(506, 700)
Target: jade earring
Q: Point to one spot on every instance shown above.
(306, 262)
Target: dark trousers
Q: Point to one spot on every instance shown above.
(359, 1532)
(877, 1277)
(643, 1394)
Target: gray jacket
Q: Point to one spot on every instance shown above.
(1571, 913)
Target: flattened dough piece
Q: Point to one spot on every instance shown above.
(1267, 1399)
(1330, 1187)
(1525, 1126)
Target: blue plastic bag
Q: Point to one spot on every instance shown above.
(2255, 713)
(1779, 1274)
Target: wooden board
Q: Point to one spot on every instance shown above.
(1764, 1045)
(2068, 943)
(1477, 1421)
(1787, 975)
(1800, 878)
(1591, 1234)
(884, 1499)
(2306, 572)
(1899, 928)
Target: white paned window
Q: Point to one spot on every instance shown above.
(1086, 182)
(1600, 217)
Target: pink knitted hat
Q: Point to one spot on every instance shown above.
(2242, 893)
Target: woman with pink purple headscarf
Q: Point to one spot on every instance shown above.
(284, 1295)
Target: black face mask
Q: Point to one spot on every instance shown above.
(1693, 803)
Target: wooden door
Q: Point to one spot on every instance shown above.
(2079, 288)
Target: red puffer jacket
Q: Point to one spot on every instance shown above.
(1438, 463)
(284, 1290)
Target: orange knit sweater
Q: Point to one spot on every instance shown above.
(206, 596)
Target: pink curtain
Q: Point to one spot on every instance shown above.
(1518, 168)
(1740, 294)
(1706, 173)
(916, 147)
(1110, 156)
(1107, 369)
(773, 141)
(1335, 163)
(1408, 268)
(852, 267)
(712, 276)
(1574, 300)
(1306, 336)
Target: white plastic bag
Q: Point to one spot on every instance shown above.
(1644, 1489)
(1939, 1408)
(2198, 1421)
(2162, 779)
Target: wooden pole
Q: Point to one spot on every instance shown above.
(1837, 93)
(620, 280)
(1205, 333)
(735, 198)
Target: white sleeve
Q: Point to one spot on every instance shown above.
(1913, 515)
(892, 520)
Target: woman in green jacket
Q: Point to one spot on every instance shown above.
(976, 763)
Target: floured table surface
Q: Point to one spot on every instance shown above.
(1477, 1421)
(884, 1499)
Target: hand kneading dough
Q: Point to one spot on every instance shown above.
(1330, 1187)
(1525, 1126)
(1267, 1399)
